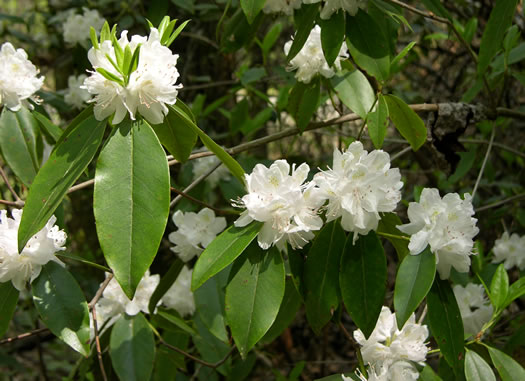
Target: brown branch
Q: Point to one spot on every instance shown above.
(100, 290)
(202, 203)
(97, 343)
(16, 204)
(196, 359)
(4, 176)
(24, 336)
(501, 202)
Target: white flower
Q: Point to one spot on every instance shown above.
(446, 225)
(114, 301)
(77, 27)
(387, 345)
(18, 78)
(331, 6)
(398, 371)
(75, 95)
(205, 164)
(310, 60)
(475, 308)
(39, 250)
(150, 87)
(358, 187)
(195, 232)
(179, 296)
(281, 6)
(287, 207)
(510, 250)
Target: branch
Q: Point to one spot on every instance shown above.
(489, 148)
(16, 204)
(4, 176)
(501, 202)
(195, 182)
(24, 336)
(196, 359)
(202, 203)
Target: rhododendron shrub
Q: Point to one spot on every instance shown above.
(253, 190)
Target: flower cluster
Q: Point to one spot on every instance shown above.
(331, 6)
(195, 232)
(76, 27)
(310, 60)
(75, 95)
(446, 224)
(121, 89)
(114, 301)
(286, 205)
(474, 307)
(18, 78)
(179, 297)
(281, 6)
(205, 164)
(358, 187)
(39, 250)
(510, 251)
(391, 352)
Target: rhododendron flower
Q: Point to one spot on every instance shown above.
(286, 205)
(114, 301)
(281, 6)
(18, 78)
(389, 350)
(331, 6)
(510, 250)
(310, 59)
(398, 371)
(446, 225)
(475, 308)
(205, 164)
(39, 250)
(75, 95)
(195, 232)
(358, 187)
(77, 27)
(147, 90)
(179, 296)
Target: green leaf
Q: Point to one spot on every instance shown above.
(507, 367)
(354, 90)
(516, 290)
(131, 201)
(70, 157)
(174, 318)
(332, 36)
(304, 19)
(362, 278)
(321, 278)
(445, 323)
(175, 135)
(499, 287)
(253, 295)
(251, 8)
(271, 38)
(395, 64)
(234, 167)
(62, 306)
(413, 281)
(222, 251)
(177, 32)
(388, 224)
(289, 307)
(368, 45)
(377, 122)
(165, 284)
(49, 127)
(303, 101)
(209, 303)
(428, 374)
(477, 369)
(19, 134)
(110, 76)
(407, 122)
(211, 348)
(499, 21)
(132, 348)
(8, 300)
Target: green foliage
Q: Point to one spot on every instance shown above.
(354, 90)
(8, 299)
(303, 102)
(476, 368)
(407, 122)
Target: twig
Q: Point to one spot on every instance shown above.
(501, 202)
(23, 336)
(196, 359)
(15, 195)
(489, 148)
(97, 343)
(200, 37)
(210, 85)
(195, 182)
(357, 349)
(16, 204)
(400, 153)
(202, 203)
(423, 314)
(100, 290)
